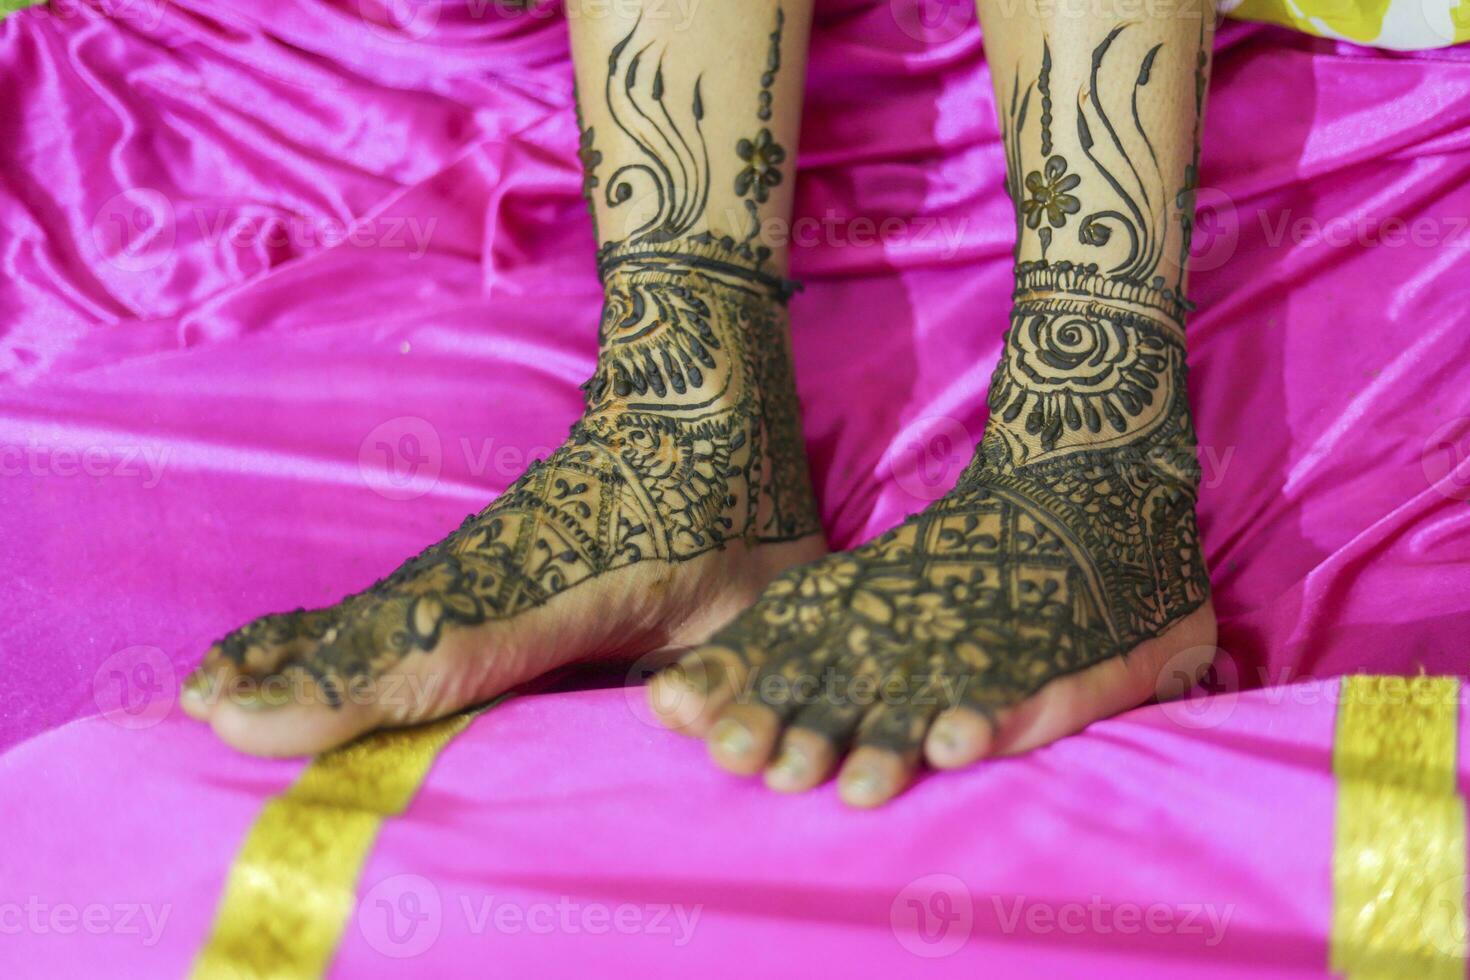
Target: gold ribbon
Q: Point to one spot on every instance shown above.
(293, 885)
(1398, 863)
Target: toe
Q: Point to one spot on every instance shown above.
(804, 761)
(743, 737)
(814, 743)
(890, 737)
(290, 714)
(872, 776)
(958, 737)
(689, 695)
(201, 689)
(888, 752)
(298, 693)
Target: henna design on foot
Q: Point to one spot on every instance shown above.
(690, 441)
(1069, 540)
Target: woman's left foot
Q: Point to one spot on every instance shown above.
(1060, 582)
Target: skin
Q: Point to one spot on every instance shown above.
(683, 488)
(1061, 580)
(1058, 583)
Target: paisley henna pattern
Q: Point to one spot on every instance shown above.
(1070, 538)
(691, 436)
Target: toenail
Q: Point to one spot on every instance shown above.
(792, 763)
(732, 738)
(861, 782)
(945, 736)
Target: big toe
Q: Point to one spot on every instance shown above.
(266, 689)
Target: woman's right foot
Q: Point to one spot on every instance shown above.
(679, 495)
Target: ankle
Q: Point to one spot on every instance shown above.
(687, 325)
(1091, 363)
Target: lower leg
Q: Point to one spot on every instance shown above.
(682, 489)
(1062, 576)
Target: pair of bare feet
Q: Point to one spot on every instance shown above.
(1058, 583)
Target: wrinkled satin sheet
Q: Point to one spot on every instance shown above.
(286, 291)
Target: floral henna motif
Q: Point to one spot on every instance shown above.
(691, 436)
(1070, 538)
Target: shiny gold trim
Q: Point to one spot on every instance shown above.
(1398, 863)
(293, 886)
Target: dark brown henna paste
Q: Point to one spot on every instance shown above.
(691, 437)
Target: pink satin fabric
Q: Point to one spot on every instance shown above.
(286, 292)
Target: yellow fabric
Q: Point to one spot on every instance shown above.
(293, 885)
(1399, 24)
(1398, 866)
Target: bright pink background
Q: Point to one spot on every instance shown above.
(166, 299)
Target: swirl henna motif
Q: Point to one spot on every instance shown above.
(1070, 538)
(691, 437)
